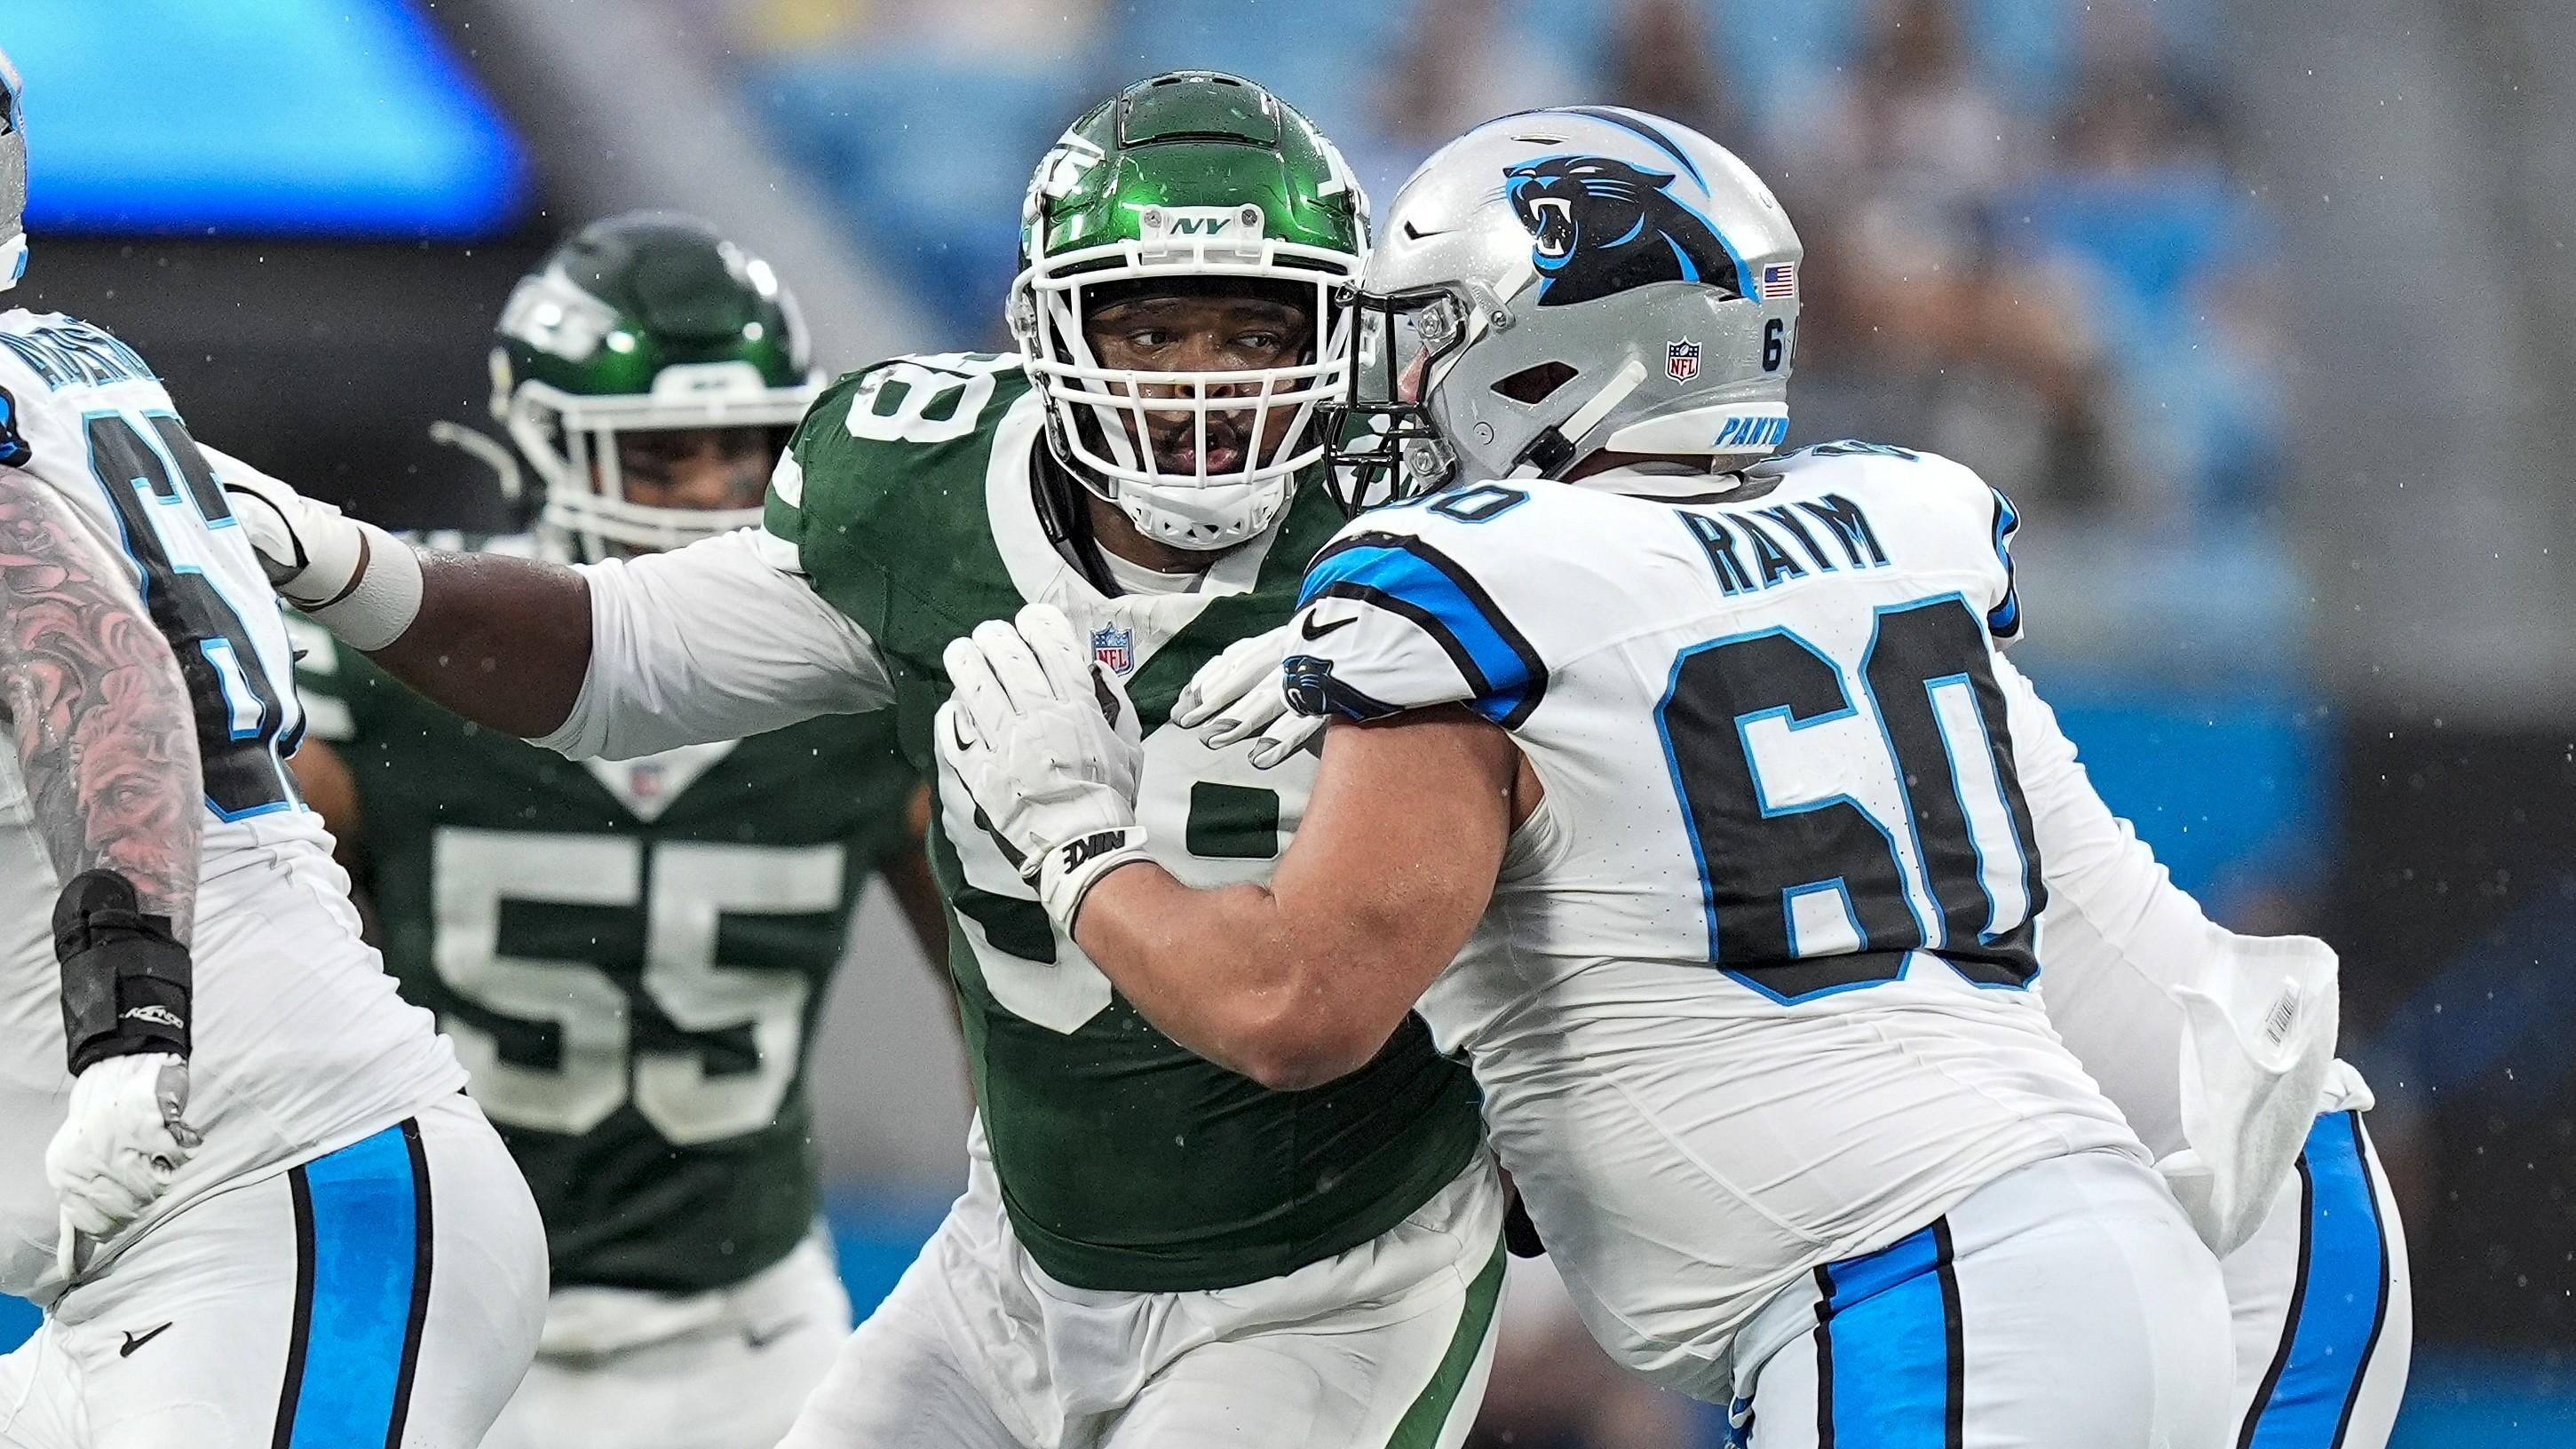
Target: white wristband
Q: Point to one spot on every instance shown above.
(381, 598)
(1069, 871)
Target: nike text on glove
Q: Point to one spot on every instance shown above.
(351, 577)
(1240, 695)
(1046, 742)
(126, 998)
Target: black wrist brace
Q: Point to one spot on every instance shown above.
(125, 976)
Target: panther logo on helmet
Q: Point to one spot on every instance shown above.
(1599, 226)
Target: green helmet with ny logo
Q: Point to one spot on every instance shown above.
(1189, 175)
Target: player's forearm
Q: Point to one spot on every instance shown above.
(1232, 975)
(504, 642)
(106, 738)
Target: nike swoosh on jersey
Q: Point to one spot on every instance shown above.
(1308, 628)
(134, 1341)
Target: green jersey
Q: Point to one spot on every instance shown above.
(629, 957)
(1126, 1161)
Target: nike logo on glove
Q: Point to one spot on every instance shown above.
(1308, 628)
(134, 1341)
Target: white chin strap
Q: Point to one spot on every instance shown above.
(1209, 516)
(13, 261)
(484, 449)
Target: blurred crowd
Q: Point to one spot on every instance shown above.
(2032, 242)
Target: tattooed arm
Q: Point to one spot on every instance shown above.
(106, 737)
(107, 744)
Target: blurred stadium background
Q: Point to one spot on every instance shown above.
(2260, 309)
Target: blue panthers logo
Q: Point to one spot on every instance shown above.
(1599, 226)
(14, 452)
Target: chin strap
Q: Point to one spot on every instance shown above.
(485, 449)
(1067, 519)
(1553, 450)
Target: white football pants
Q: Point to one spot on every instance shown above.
(732, 1376)
(2066, 1303)
(2325, 1318)
(388, 1293)
(976, 1348)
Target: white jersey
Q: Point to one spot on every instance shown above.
(1753, 992)
(300, 1042)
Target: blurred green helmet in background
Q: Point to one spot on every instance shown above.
(1193, 174)
(643, 322)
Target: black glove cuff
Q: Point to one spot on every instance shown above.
(126, 977)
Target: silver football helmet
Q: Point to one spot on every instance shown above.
(13, 177)
(1561, 283)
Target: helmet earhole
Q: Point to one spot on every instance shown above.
(1531, 385)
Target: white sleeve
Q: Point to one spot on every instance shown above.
(716, 641)
(1393, 617)
(2215, 1046)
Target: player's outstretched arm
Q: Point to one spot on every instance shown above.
(716, 641)
(504, 642)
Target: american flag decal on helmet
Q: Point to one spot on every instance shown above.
(1780, 279)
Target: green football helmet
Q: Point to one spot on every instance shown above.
(643, 323)
(1194, 174)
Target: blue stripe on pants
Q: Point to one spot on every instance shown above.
(362, 1286)
(2338, 1304)
(1888, 1355)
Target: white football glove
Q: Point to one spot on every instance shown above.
(1046, 742)
(352, 577)
(1241, 695)
(123, 1139)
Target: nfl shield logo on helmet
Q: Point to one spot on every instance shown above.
(1114, 646)
(1681, 359)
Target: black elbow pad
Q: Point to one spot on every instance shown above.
(126, 977)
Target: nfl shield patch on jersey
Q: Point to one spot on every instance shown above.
(1114, 646)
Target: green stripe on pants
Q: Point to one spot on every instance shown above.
(1421, 1425)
